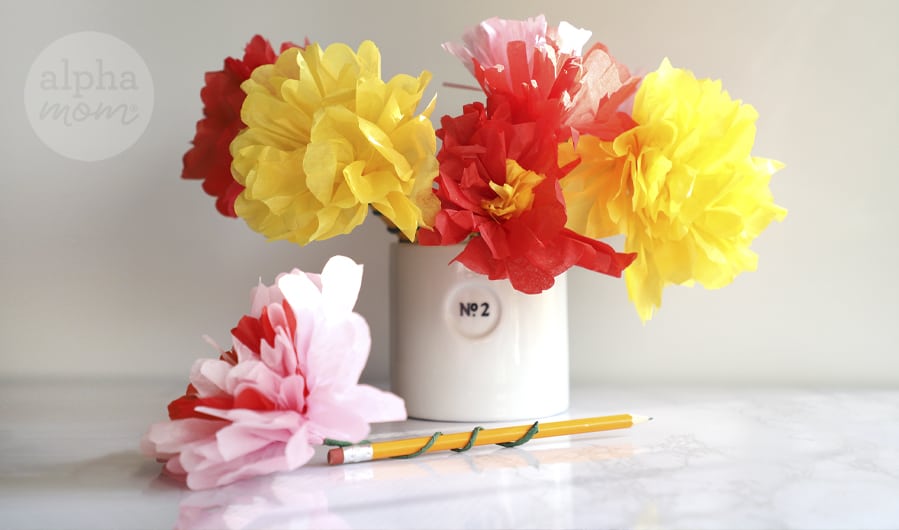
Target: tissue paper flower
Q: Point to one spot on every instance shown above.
(499, 175)
(288, 383)
(499, 185)
(540, 68)
(326, 138)
(209, 159)
(604, 87)
(564, 147)
(511, 56)
(682, 186)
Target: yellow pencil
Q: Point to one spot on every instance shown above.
(393, 448)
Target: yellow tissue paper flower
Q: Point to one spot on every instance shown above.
(326, 138)
(681, 186)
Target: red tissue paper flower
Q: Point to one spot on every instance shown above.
(539, 67)
(499, 173)
(499, 183)
(289, 382)
(209, 159)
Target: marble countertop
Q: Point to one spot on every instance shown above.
(712, 458)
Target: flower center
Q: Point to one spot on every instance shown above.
(515, 196)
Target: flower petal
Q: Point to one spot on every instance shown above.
(341, 281)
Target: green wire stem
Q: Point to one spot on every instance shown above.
(535, 428)
(471, 440)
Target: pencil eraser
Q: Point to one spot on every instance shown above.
(335, 456)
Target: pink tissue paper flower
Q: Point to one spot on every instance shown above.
(289, 382)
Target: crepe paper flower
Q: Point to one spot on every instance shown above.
(288, 383)
(326, 138)
(499, 188)
(682, 186)
(209, 159)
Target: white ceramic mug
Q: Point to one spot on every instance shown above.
(465, 348)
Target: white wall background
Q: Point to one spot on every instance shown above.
(117, 267)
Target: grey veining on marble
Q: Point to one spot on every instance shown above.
(711, 458)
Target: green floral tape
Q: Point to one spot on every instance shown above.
(524, 439)
(471, 440)
(436, 436)
(424, 448)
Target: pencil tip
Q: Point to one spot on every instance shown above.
(635, 419)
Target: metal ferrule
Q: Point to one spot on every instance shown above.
(357, 453)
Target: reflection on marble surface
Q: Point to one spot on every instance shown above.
(712, 458)
(309, 498)
(278, 501)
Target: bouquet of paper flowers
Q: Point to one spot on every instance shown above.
(562, 148)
